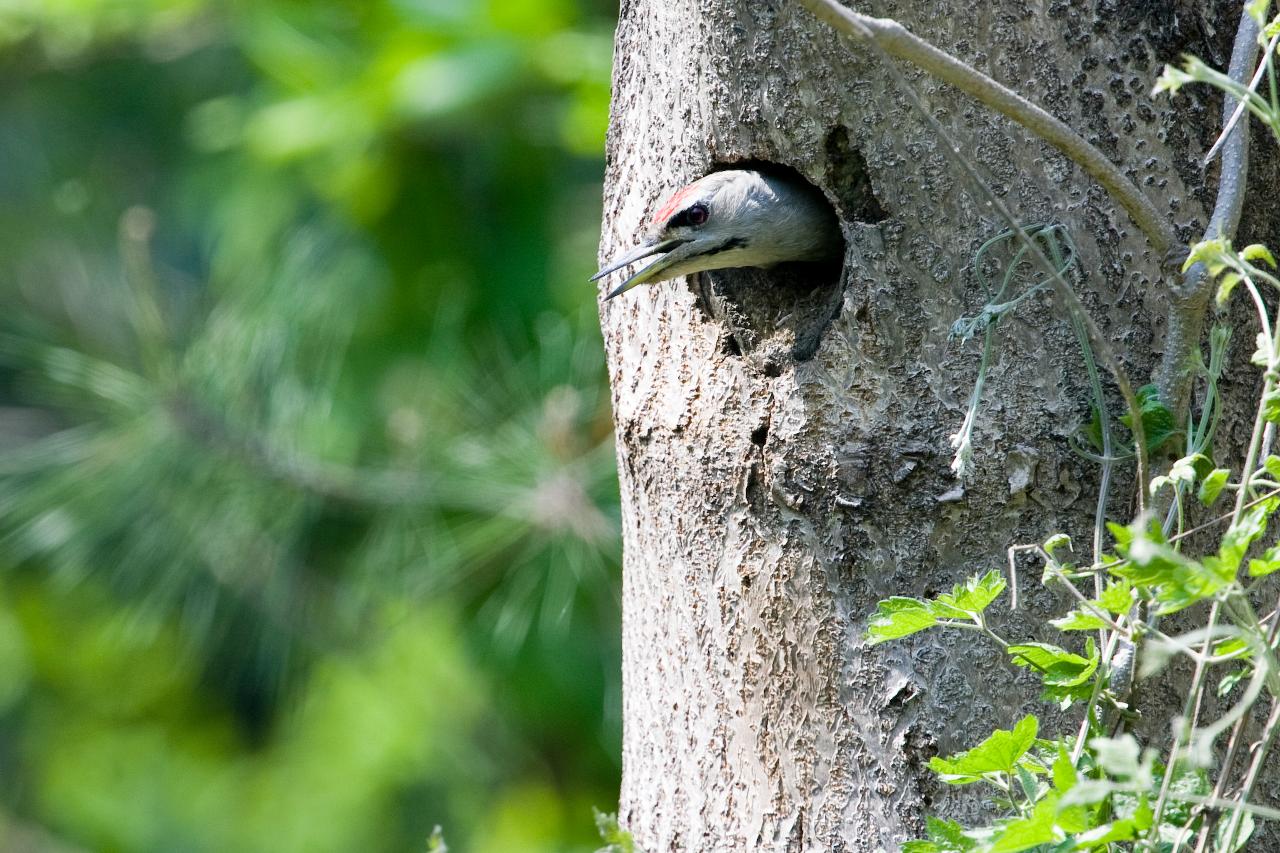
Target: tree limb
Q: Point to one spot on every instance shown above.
(895, 40)
(1189, 301)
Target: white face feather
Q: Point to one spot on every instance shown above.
(735, 218)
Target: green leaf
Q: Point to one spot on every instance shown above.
(1226, 285)
(1228, 682)
(1207, 252)
(1271, 406)
(1039, 828)
(1117, 598)
(1078, 620)
(1176, 580)
(1212, 485)
(1258, 252)
(1242, 534)
(1272, 466)
(1053, 543)
(997, 754)
(1092, 431)
(1120, 533)
(1028, 782)
(1109, 833)
(1157, 419)
(616, 839)
(1064, 771)
(899, 617)
(948, 832)
(1143, 815)
(973, 596)
(1041, 656)
(1058, 667)
(1267, 563)
(1231, 647)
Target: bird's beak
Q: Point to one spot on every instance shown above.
(670, 254)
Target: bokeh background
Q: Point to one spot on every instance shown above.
(308, 514)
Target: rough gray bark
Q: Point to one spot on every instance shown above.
(770, 500)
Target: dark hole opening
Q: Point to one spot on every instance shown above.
(760, 435)
(781, 312)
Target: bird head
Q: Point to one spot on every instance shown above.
(734, 218)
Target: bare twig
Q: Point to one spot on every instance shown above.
(853, 24)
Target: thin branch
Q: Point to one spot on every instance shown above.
(1240, 107)
(897, 41)
(1218, 803)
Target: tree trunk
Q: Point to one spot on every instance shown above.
(769, 498)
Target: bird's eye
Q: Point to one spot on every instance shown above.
(697, 214)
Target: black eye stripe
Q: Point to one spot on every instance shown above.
(693, 216)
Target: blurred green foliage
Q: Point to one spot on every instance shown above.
(308, 515)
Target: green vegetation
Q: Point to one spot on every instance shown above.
(1101, 788)
(308, 522)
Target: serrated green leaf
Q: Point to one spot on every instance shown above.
(999, 753)
(1066, 677)
(1176, 580)
(898, 617)
(948, 833)
(1120, 533)
(1242, 534)
(973, 596)
(1057, 666)
(1117, 597)
(1212, 485)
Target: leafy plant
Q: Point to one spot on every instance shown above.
(1103, 789)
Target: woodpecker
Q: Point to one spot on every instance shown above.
(734, 218)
